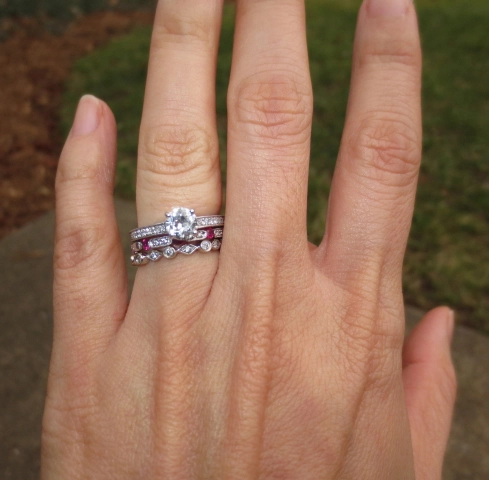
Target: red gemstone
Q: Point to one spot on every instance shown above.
(210, 233)
(144, 241)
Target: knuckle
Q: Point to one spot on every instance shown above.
(370, 343)
(78, 243)
(83, 170)
(367, 353)
(69, 413)
(276, 107)
(389, 150)
(77, 301)
(397, 53)
(177, 29)
(171, 153)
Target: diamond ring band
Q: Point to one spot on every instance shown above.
(147, 244)
(181, 223)
(182, 233)
(140, 258)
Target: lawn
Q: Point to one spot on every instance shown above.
(447, 260)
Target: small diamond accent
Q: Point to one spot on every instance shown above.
(136, 259)
(152, 231)
(187, 249)
(206, 246)
(155, 255)
(136, 246)
(200, 235)
(218, 232)
(169, 252)
(159, 242)
(216, 244)
(210, 221)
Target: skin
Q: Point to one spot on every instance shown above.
(273, 359)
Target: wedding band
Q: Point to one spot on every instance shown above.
(140, 258)
(181, 224)
(153, 243)
(180, 233)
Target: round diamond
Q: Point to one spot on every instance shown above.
(180, 222)
(206, 245)
(155, 255)
(136, 246)
(169, 252)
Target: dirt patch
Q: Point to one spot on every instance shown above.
(35, 63)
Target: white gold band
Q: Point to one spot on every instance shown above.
(142, 258)
(175, 235)
(153, 243)
(180, 224)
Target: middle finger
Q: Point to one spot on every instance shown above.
(269, 127)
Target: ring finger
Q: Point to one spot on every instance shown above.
(178, 157)
(178, 160)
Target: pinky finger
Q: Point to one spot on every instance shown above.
(90, 284)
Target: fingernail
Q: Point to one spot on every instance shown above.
(387, 8)
(450, 324)
(87, 116)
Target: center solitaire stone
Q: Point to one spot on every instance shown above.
(180, 222)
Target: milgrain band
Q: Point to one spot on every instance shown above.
(171, 251)
(175, 235)
(178, 216)
(152, 243)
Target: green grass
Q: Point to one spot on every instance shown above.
(447, 261)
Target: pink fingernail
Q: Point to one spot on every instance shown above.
(387, 8)
(87, 117)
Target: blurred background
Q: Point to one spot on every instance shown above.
(53, 51)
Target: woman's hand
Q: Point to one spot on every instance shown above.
(273, 359)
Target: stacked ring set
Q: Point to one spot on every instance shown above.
(182, 232)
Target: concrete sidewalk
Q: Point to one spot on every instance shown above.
(25, 343)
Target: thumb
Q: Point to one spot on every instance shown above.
(430, 388)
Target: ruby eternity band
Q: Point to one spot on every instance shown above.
(182, 232)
